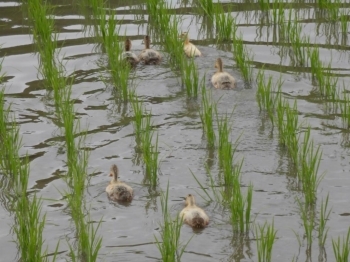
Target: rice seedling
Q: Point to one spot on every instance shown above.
(324, 216)
(137, 107)
(309, 162)
(343, 20)
(29, 222)
(240, 208)
(341, 248)
(264, 5)
(307, 216)
(150, 158)
(169, 243)
(298, 43)
(207, 110)
(190, 78)
(266, 95)
(344, 106)
(208, 7)
(225, 24)
(265, 238)
(243, 58)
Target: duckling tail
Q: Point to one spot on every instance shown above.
(198, 222)
(124, 194)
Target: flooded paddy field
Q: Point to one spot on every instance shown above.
(128, 231)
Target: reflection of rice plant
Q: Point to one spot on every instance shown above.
(341, 249)
(265, 238)
(324, 216)
(206, 114)
(307, 216)
(224, 24)
(169, 242)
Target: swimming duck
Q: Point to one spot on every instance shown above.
(117, 190)
(194, 215)
(190, 49)
(221, 79)
(148, 55)
(128, 55)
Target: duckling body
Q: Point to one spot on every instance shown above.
(190, 49)
(117, 190)
(221, 79)
(148, 55)
(128, 55)
(193, 215)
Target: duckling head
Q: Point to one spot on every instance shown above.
(184, 35)
(127, 44)
(190, 200)
(114, 172)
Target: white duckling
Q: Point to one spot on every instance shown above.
(190, 49)
(148, 55)
(221, 79)
(128, 55)
(193, 215)
(117, 190)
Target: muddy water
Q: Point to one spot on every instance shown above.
(128, 231)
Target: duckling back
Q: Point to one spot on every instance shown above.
(150, 56)
(223, 80)
(119, 192)
(130, 57)
(198, 221)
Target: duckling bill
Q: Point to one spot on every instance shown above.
(117, 190)
(193, 215)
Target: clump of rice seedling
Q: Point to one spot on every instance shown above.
(190, 78)
(266, 96)
(207, 111)
(343, 20)
(341, 249)
(169, 244)
(208, 7)
(29, 222)
(243, 58)
(322, 229)
(309, 162)
(225, 24)
(298, 43)
(265, 238)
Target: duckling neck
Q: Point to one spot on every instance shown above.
(114, 180)
(127, 47)
(191, 203)
(219, 67)
(187, 40)
(147, 44)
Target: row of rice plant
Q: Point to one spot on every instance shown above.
(107, 34)
(144, 134)
(76, 178)
(29, 221)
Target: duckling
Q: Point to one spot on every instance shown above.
(190, 49)
(117, 190)
(221, 79)
(148, 55)
(193, 215)
(128, 55)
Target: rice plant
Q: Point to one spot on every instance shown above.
(243, 58)
(208, 7)
(225, 24)
(207, 112)
(266, 94)
(341, 248)
(309, 162)
(169, 243)
(324, 217)
(29, 221)
(190, 78)
(265, 238)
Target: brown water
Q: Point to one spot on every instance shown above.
(128, 231)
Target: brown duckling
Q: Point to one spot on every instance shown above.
(148, 55)
(194, 215)
(222, 79)
(117, 190)
(128, 55)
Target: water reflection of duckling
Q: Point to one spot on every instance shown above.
(221, 79)
(128, 55)
(190, 49)
(148, 55)
(117, 190)
(194, 215)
